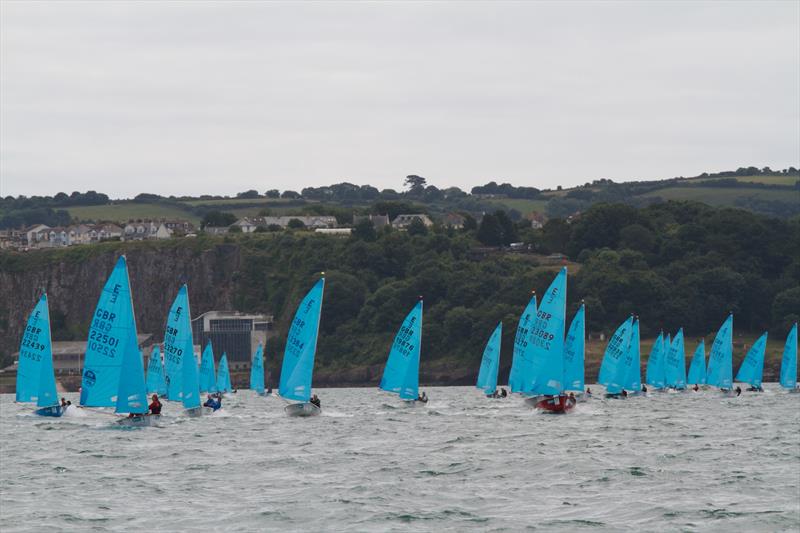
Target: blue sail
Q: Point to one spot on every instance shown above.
(224, 375)
(155, 374)
(208, 378)
(178, 342)
(301, 346)
(112, 325)
(789, 360)
(401, 374)
(132, 392)
(676, 362)
(190, 379)
(546, 341)
(613, 359)
(697, 368)
(521, 361)
(752, 369)
(655, 364)
(490, 362)
(633, 362)
(257, 370)
(720, 360)
(36, 359)
(574, 348)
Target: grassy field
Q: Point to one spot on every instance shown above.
(769, 180)
(720, 196)
(237, 201)
(122, 212)
(520, 204)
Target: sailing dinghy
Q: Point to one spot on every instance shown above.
(208, 378)
(788, 378)
(184, 380)
(298, 356)
(257, 371)
(676, 363)
(490, 364)
(546, 387)
(612, 368)
(720, 360)
(520, 361)
(697, 368)
(752, 367)
(36, 379)
(224, 376)
(132, 391)
(401, 373)
(656, 374)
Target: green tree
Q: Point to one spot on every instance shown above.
(295, 223)
(273, 193)
(217, 219)
(490, 232)
(364, 231)
(417, 227)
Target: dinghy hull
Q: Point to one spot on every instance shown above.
(556, 404)
(198, 411)
(139, 421)
(302, 409)
(414, 403)
(54, 411)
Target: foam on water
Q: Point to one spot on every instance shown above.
(691, 461)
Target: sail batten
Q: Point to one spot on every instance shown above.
(490, 362)
(401, 374)
(301, 346)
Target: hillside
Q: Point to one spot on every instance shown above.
(674, 265)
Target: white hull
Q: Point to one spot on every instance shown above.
(198, 411)
(302, 409)
(139, 421)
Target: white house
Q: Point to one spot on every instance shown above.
(403, 221)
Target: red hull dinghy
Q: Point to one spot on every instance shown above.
(557, 404)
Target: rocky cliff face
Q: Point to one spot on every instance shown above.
(73, 286)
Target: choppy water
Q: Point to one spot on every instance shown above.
(691, 461)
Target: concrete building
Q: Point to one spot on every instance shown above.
(235, 333)
(249, 224)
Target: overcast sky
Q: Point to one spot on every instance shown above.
(217, 98)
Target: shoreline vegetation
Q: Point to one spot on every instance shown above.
(674, 264)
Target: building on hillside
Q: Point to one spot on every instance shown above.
(453, 220)
(537, 219)
(216, 230)
(153, 229)
(179, 227)
(36, 234)
(249, 224)
(235, 333)
(378, 221)
(336, 232)
(405, 220)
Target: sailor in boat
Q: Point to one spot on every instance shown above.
(695, 388)
(214, 402)
(316, 401)
(63, 402)
(588, 391)
(644, 387)
(269, 390)
(738, 390)
(755, 389)
(155, 406)
(503, 392)
(422, 398)
(624, 393)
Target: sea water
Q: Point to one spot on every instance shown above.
(689, 461)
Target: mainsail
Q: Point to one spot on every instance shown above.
(546, 341)
(208, 378)
(752, 368)
(676, 362)
(789, 360)
(574, 347)
(257, 370)
(611, 373)
(697, 368)
(490, 362)
(521, 358)
(224, 375)
(113, 326)
(401, 374)
(155, 374)
(178, 343)
(633, 362)
(655, 364)
(720, 360)
(301, 346)
(35, 377)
